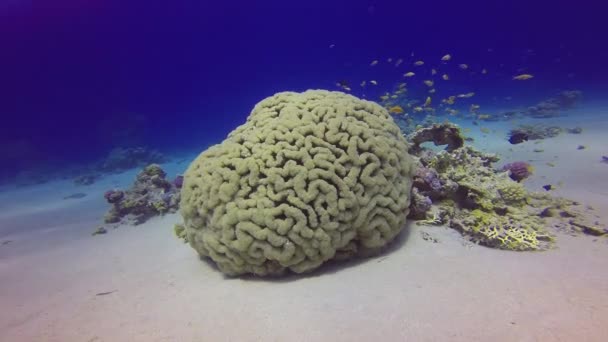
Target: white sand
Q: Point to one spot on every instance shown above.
(418, 291)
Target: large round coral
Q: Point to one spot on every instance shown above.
(309, 177)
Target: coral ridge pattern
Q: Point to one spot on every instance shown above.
(309, 177)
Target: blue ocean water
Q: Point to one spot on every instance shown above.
(80, 78)
(92, 91)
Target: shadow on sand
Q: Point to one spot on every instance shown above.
(330, 267)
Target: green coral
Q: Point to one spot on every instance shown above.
(512, 193)
(180, 231)
(153, 170)
(309, 177)
(160, 207)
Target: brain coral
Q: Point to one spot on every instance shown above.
(309, 177)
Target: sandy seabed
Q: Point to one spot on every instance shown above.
(59, 283)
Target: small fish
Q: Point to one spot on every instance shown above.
(394, 96)
(523, 77)
(484, 130)
(428, 83)
(409, 74)
(446, 58)
(396, 110)
(373, 82)
(483, 116)
(418, 63)
(433, 72)
(463, 66)
(105, 293)
(452, 112)
(384, 97)
(374, 62)
(432, 91)
(398, 62)
(75, 196)
(402, 85)
(389, 60)
(450, 100)
(342, 83)
(465, 96)
(474, 108)
(518, 138)
(331, 46)
(427, 102)
(445, 77)
(548, 187)
(604, 159)
(484, 71)
(418, 109)
(363, 84)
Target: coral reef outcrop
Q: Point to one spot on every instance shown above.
(151, 195)
(125, 158)
(490, 206)
(309, 177)
(518, 170)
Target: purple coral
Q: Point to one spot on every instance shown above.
(178, 181)
(427, 179)
(518, 170)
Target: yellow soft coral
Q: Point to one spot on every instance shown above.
(309, 177)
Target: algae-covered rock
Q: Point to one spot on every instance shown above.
(487, 205)
(309, 177)
(439, 134)
(151, 195)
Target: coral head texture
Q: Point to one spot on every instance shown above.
(309, 177)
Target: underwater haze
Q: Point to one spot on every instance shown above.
(185, 73)
(305, 170)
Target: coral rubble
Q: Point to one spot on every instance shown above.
(536, 132)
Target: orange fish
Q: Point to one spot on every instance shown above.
(395, 110)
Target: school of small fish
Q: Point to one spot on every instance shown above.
(399, 102)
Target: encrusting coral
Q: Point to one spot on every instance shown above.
(487, 205)
(309, 177)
